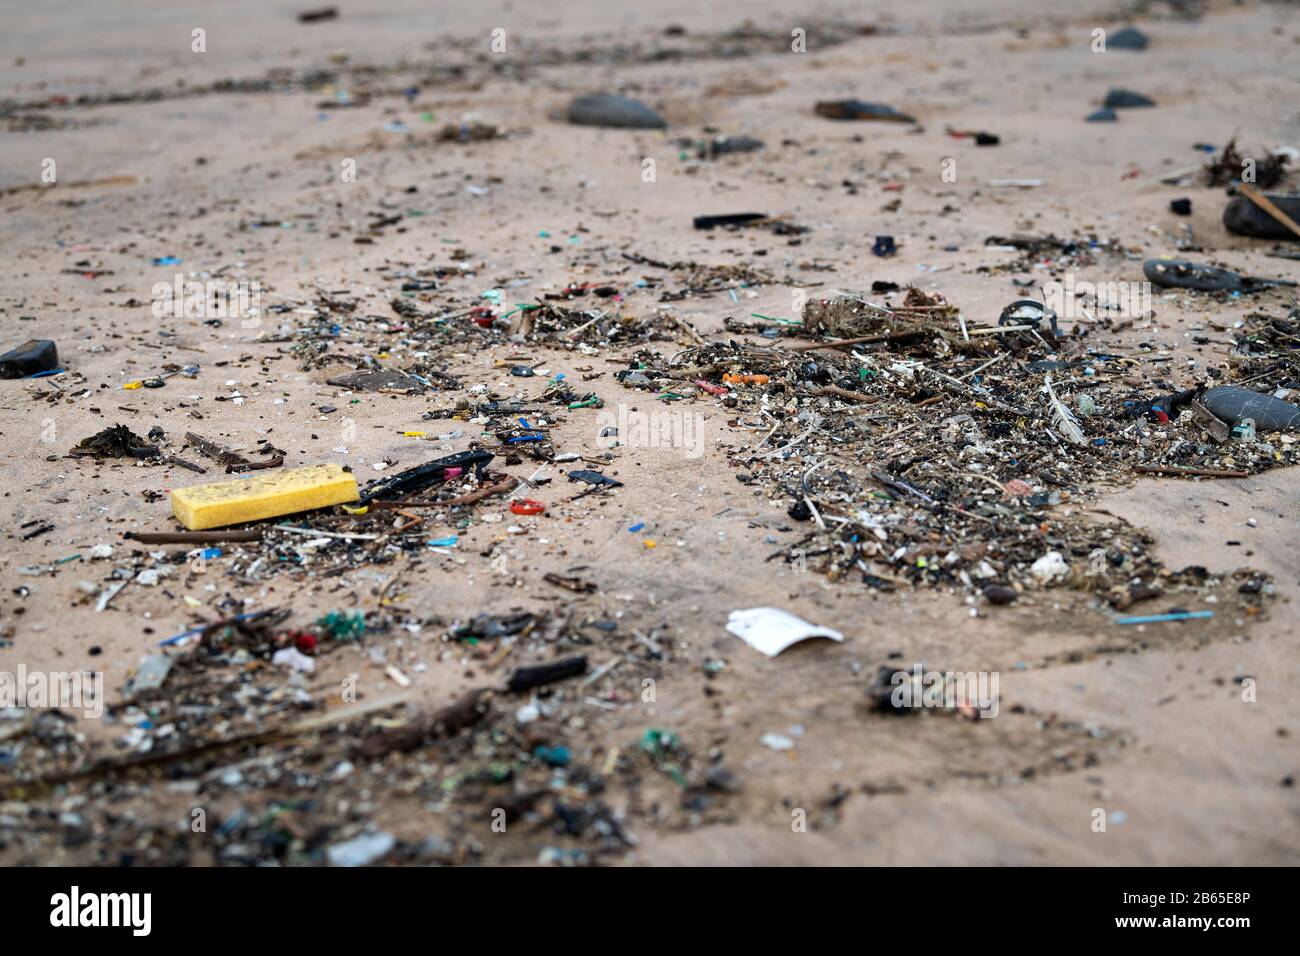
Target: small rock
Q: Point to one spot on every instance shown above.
(859, 110)
(1050, 567)
(1118, 99)
(1000, 594)
(605, 109)
(1130, 38)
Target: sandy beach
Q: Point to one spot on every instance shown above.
(332, 167)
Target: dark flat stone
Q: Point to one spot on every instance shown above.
(860, 110)
(606, 109)
(1130, 38)
(1127, 100)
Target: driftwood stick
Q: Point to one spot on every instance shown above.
(1266, 204)
(1195, 472)
(507, 483)
(193, 537)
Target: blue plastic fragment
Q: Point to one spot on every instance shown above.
(1172, 616)
(554, 756)
(199, 630)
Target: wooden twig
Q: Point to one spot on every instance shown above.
(860, 340)
(506, 483)
(275, 462)
(844, 393)
(215, 451)
(173, 460)
(1266, 204)
(193, 537)
(1184, 470)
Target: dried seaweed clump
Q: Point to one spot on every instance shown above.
(1270, 169)
(851, 316)
(117, 441)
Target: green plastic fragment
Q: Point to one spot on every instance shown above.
(343, 625)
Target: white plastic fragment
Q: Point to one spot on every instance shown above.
(294, 659)
(362, 850)
(1050, 567)
(151, 672)
(772, 630)
(109, 593)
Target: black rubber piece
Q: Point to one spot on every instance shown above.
(1243, 218)
(1232, 404)
(30, 358)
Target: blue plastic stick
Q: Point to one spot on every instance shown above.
(1158, 618)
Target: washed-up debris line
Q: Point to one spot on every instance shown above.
(1266, 352)
(331, 333)
(548, 322)
(918, 449)
(118, 441)
(420, 510)
(326, 339)
(697, 279)
(404, 514)
(232, 717)
(433, 314)
(1053, 253)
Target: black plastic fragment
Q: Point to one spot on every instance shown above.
(595, 478)
(731, 219)
(422, 476)
(526, 678)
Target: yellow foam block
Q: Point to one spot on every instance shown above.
(259, 496)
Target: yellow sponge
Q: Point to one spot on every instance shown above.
(262, 496)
